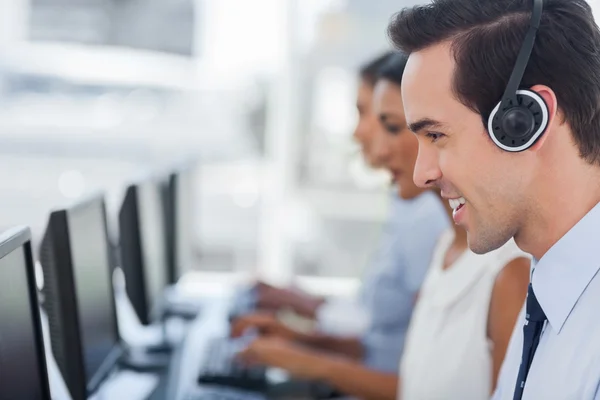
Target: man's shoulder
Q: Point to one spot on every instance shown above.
(567, 361)
(583, 318)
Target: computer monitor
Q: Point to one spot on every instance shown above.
(169, 217)
(79, 296)
(143, 248)
(23, 371)
(180, 220)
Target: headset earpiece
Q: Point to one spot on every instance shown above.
(516, 127)
(521, 117)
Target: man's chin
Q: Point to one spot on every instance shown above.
(482, 244)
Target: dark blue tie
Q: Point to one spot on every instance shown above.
(531, 338)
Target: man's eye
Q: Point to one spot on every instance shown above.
(434, 136)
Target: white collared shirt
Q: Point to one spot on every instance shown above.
(566, 282)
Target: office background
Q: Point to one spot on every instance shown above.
(94, 92)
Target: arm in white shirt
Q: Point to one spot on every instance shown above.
(342, 317)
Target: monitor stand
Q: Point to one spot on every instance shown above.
(140, 360)
(151, 357)
(165, 346)
(185, 311)
(178, 306)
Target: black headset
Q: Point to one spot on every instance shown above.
(521, 117)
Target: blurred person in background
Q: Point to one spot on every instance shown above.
(389, 289)
(465, 311)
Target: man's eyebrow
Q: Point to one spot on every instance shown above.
(423, 123)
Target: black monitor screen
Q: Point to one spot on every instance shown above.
(153, 241)
(184, 219)
(89, 248)
(20, 357)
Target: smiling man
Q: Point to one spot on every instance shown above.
(504, 97)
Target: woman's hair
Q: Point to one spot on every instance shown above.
(393, 68)
(370, 70)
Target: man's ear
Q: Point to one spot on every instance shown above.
(550, 99)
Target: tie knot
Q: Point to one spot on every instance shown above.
(533, 308)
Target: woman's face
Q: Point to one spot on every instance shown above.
(367, 121)
(394, 146)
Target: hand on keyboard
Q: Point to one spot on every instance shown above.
(300, 362)
(273, 299)
(263, 324)
(221, 394)
(222, 367)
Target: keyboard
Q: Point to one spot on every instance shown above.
(243, 303)
(128, 384)
(218, 394)
(222, 369)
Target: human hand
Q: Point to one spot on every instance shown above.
(265, 324)
(274, 298)
(276, 352)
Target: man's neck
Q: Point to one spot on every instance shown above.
(561, 202)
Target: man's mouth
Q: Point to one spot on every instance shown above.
(457, 205)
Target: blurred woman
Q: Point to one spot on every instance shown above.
(465, 311)
(387, 296)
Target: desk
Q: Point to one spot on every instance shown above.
(181, 377)
(161, 390)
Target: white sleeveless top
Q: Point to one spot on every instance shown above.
(447, 353)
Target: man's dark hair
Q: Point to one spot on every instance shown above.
(393, 69)
(370, 70)
(486, 36)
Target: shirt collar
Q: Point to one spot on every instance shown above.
(561, 276)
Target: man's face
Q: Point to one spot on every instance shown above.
(486, 186)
